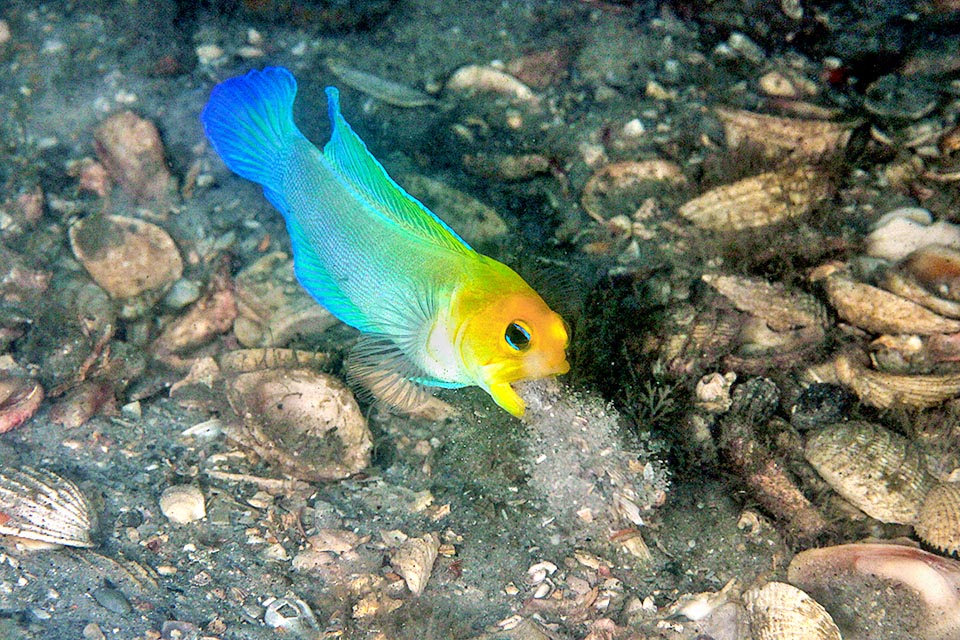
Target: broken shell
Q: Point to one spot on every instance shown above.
(210, 316)
(883, 591)
(183, 503)
(777, 136)
(694, 340)
(473, 79)
(308, 423)
(902, 231)
(413, 561)
(621, 187)
(127, 257)
(879, 311)
(779, 611)
(131, 150)
(889, 390)
(19, 400)
(938, 523)
(880, 472)
(39, 506)
(758, 201)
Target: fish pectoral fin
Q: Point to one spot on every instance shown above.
(504, 395)
(379, 367)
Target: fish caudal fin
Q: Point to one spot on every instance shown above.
(249, 121)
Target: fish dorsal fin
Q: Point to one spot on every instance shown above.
(348, 153)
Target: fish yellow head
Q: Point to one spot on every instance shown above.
(508, 334)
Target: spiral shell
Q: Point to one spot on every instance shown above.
(413, 561)
(40, 506)
(878, 471)
(938, 523)
(779, 611)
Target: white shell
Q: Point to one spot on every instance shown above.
(779, 611)
(38, 505)
(183, 503)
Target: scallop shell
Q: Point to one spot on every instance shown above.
(758, 201)
(880, 472)
(777, 136)
(939, 521)
(779, 611)
(890, 390)
(183, 503)
(879, 311)
(414, 559)
(38, 505)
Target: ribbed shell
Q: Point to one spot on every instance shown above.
(939, 521)
(878, 471)
(779, 611)
(758, 201)
(890, 390)
(36, 504)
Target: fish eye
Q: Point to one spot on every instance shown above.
(517, 336)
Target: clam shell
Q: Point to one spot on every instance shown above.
(890, 390)
(938, 523)
(880, 472)
(413, 561)
(758, 201)
(305, 422)
(474, 78)
(779, 611)
(883, 591)
(38, 505)
(778, 136)
(879, 311)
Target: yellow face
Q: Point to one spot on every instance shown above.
(509, 334)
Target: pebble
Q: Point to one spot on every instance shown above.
(182, 293)
(183, 503)
(111, 599)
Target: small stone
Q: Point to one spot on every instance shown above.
(183, 503)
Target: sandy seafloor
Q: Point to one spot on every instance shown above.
(66, 66)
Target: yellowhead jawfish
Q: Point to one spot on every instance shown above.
(432, 311)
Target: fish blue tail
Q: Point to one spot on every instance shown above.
(249, 121)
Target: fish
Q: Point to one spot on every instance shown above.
(431, 311)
